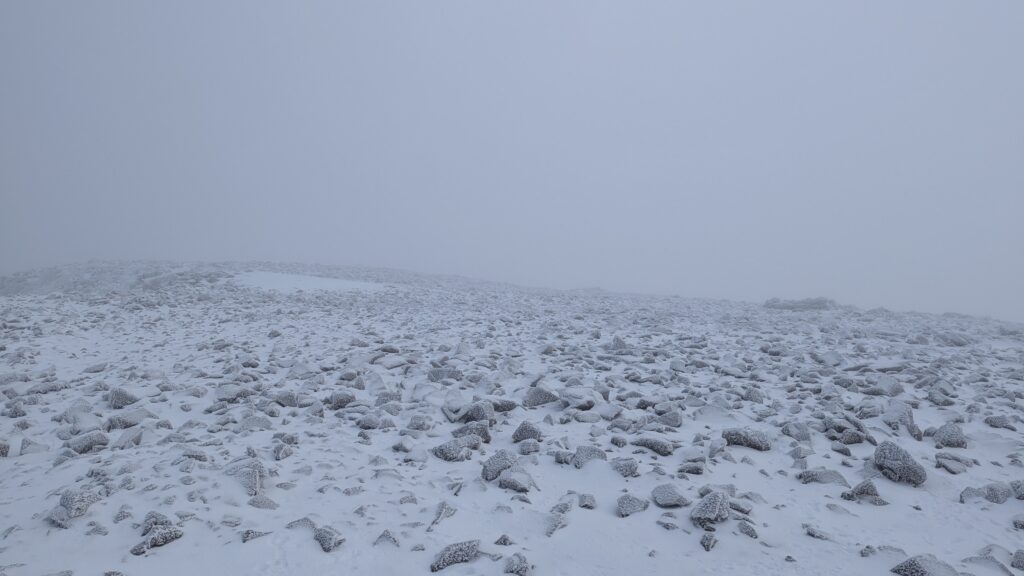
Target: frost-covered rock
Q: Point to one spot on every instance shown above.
(668, 496)
(537, 396)
(746, 437)
(526, 430)
(898, 465)
(628, 505)
(586, 453)
(822, 476)
(950, 436)
(119, 398)
(659, 446)
(711, 509)
(498, 462)
(457, 553)
(924, 565)
(87, 442)
(457, 449)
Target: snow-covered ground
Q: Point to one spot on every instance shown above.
(163, 419)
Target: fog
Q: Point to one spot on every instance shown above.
(868, 152)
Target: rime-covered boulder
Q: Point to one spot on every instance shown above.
(339, 400)
(516, 479)
(157, 530)
(994, 492)
(457, 553)
(1000, 421)
(711, 509)
(866, 491)
(950, 436)
(659, 446)
(822, 476)
(498, 462)
(585, 453)
(85, 443)
(478, 428)
(517, 564)
(537, 396)
(73, 503)
(119, 398)
(898, 465)
(458, 449)
(327, 537)
(526, 430)
(924, 565)
(625, 466)
(747, 437)
(628, 505)
(668, 496)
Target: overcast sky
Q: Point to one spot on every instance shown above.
(872, 152)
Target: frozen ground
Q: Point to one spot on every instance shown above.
(240, 419)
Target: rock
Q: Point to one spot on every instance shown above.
(924, 565)
(747, 530)
(30, 446)
(822, 476)
(1018, 560)
(950, 436)
(529, 446)
(994, 492)
(457, 553)
(87, 442)
(949, 465)
(711, 509)
(708, 541)
(627, 467)
(73, 504)
(458, 449)
(659, 446)
(518, 565)
(328, 538)
(797, 431)
(482, 411)
(746, 437)
(526, 430)
(262, 502)
(386, 537)
(159, 537)
(248, 535)
(444, 373)
(898, 465)
(586, 453)
(119, 398)
(815, 532)
(537, 396)
(864, 492)
(668, 496)
(444, 510)
(587, 501)
(629, 504)
(515, 479)
(498, 462)
(339, 400)
(1000, 422)
(481, 429)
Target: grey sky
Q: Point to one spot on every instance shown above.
(872, 152)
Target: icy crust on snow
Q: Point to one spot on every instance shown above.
(161, 418)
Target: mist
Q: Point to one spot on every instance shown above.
(868, 152)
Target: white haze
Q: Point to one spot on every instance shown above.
(869, 152)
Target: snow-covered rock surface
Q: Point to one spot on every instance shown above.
(161, 419)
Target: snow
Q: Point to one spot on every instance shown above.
(289, 283)
(233, 367)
